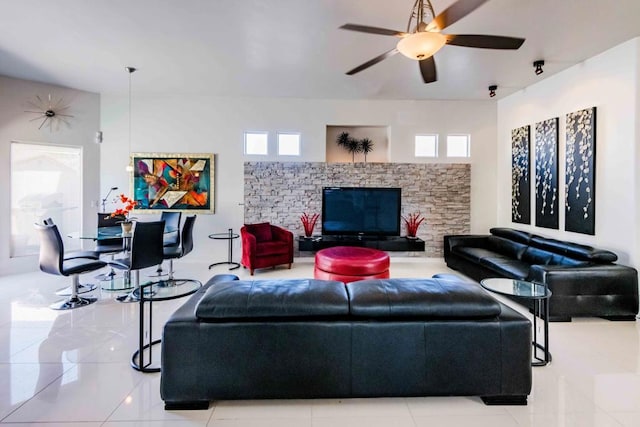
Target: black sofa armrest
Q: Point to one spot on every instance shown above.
(282, 234)
(609, 291)
(595, 279)
(470, 240)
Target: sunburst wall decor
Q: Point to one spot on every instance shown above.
(50, 112)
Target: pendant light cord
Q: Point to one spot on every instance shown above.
(131, 70)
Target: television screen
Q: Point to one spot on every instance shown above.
(364, 211)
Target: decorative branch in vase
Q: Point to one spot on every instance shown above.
(122, 213)
(412, 222)
(309, 223)
(352, 145)
(366, 146)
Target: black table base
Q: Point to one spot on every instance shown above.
(541, 306)
(230, 236)
(148, 294)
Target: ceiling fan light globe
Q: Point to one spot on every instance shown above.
(421, 45)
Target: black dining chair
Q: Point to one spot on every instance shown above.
(176, 252)
(52, 261)
(82, 288)
(108, 246)
(146, 251)
(171, 237)
(74, 254)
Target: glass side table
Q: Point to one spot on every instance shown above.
(150, 293)
(540, 294)
(230, 236)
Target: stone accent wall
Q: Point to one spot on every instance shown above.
(279, 192)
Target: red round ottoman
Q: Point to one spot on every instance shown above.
(350, 263)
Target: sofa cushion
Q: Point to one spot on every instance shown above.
(511, 234)
(511, 268)
(566, 261)
(273, 247)
(505, 246)
(476, 254)
(246, 299)
(420, 298)
(574, 250)
(262, 231)
(537, 256)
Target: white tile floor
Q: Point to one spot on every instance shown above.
(72, 368)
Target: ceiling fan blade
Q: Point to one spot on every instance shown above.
(373, 61)
(484, 41)
(428, 70)
(454, 13)
(373, 30)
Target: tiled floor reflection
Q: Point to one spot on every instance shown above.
(72, 369)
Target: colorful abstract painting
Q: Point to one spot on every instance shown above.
(520, 187)
(546, 166)
(580, 194)
(178, 182)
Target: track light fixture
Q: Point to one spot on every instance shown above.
(538, 66)
(492, 90)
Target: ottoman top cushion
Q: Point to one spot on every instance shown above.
(423, 298)
(352, 260)
(247, 299)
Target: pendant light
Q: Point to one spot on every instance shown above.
(130, 70)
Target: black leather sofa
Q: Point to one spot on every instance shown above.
(308, 338)
(584, 281)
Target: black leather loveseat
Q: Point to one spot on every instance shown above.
(584, 281)
(317, 338)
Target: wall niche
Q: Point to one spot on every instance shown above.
(379, 135)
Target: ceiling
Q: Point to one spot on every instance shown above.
(293, 48)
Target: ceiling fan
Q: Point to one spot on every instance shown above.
(423, 39)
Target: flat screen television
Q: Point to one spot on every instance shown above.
(361, 211)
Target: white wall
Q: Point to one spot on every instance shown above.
(184, 124)
(609, 82)
(15, 125)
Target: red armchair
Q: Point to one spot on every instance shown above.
(265, 245)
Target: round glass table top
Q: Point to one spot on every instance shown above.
(517, 288)
(224, 236)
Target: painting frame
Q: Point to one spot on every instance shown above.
(520, 175)
(580, 172)
(546, 173)
(179, 182)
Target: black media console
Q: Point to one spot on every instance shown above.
(383, 243)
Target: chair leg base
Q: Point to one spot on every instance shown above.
(130, 297)
(82, 289)
(173, 282)
(134, 295)
(158, 274)
(71, 303)
(106, 276)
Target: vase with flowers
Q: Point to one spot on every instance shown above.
(122, 214)
(309, 222)
(412, 222)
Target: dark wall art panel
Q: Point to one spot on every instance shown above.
(520, 187)
(580, 197)
(546, 184)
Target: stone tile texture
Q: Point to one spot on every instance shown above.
(279, 192)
